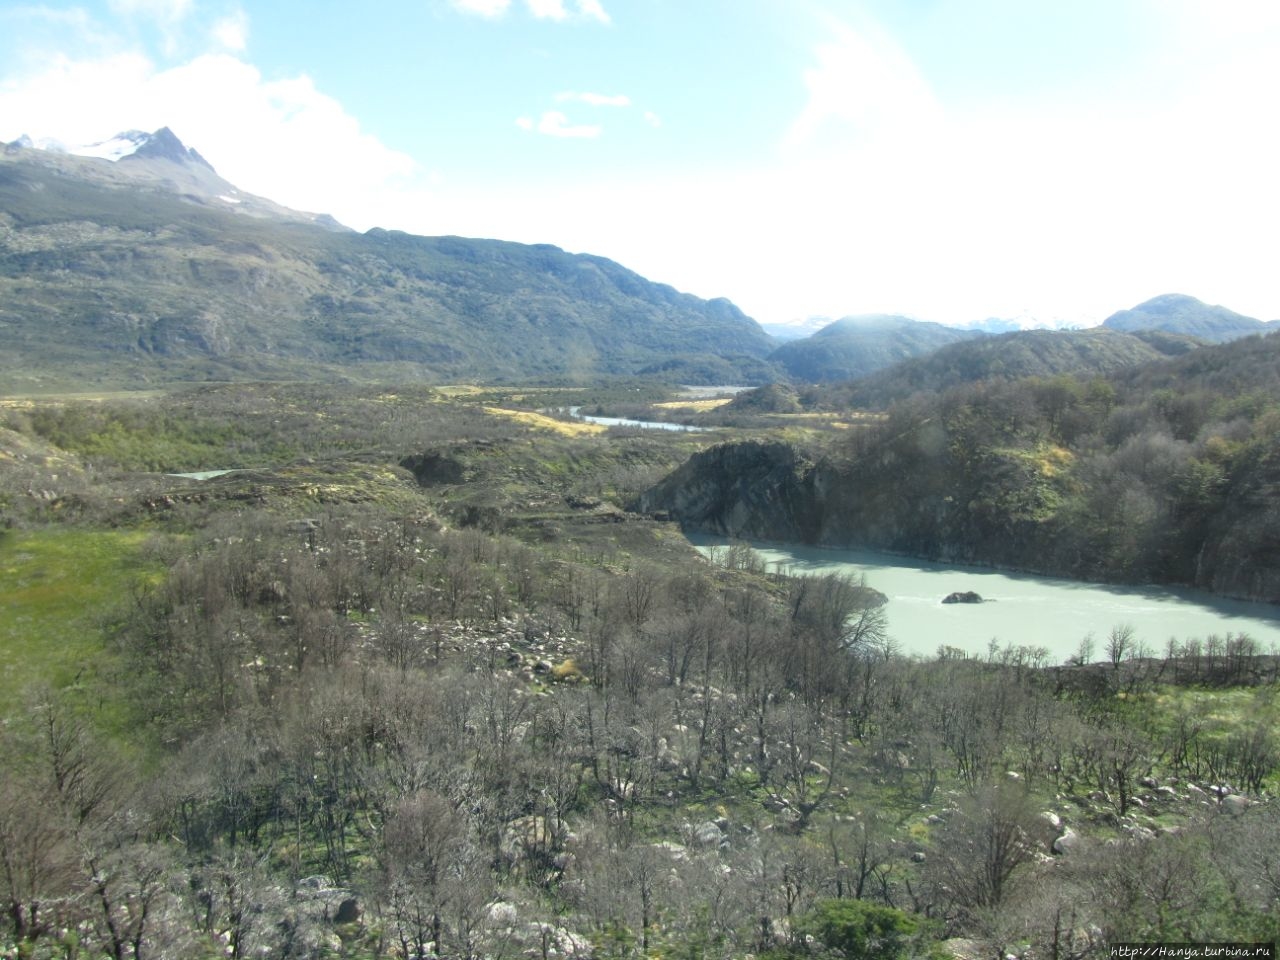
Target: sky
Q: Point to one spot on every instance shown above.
(951, 160)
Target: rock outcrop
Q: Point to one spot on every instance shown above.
(755, 490)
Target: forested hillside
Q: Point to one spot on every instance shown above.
(856, 346)
(113, 283)
(1166, 472)
(1178, 313)
(1010, 356)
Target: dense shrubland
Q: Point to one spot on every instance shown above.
(380, 721)
(1165, 473)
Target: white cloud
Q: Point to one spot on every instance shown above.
(595, 99)
(162, 11)
(168, 16)
(547, 9)
(282, 139)
(652, 119)
(484, 8)
(592, 10)
(862, 85)
(553, 123)
(231, 33)
(539, 9)
(556, 10)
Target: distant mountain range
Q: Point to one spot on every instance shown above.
(150, 267)
(1177, 313)
(855, 346)
(891, 356)
(131, 261)
(1012, 356)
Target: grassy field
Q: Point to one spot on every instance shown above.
(61, 587)
(28, 400)
(542, 422)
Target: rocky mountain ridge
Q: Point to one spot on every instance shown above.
(153, 268)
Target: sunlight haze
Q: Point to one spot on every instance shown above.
(948, 160)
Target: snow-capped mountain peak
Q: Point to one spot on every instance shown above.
(120, 146)
(162, 145)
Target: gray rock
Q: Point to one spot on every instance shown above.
(1067, 842)
(503, 913)
(1235, 804)
(707, 834)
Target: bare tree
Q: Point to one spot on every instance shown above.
(978, 850)
(1119, 644)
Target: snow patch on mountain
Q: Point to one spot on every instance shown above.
(117, 148)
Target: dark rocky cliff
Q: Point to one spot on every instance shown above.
(998, 511)
(749, 490)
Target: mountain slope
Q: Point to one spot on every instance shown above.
(1027, 353)
(142, 270)
(157, 165)
(855, 346)
(1177, 313)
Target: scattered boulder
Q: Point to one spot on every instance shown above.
(676, 851)
(1067, 842)
(965, 949)
(1045, 829)
(530, 835)
(503, 913)
(1235, 804)
(548, 940)
(708, 834)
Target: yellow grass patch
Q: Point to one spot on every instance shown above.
(694, 404)
(542, 422)
(29, 400)
(846, 419)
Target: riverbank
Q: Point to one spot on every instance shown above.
(1062, 616)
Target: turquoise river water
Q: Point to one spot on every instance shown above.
(1024, 610)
